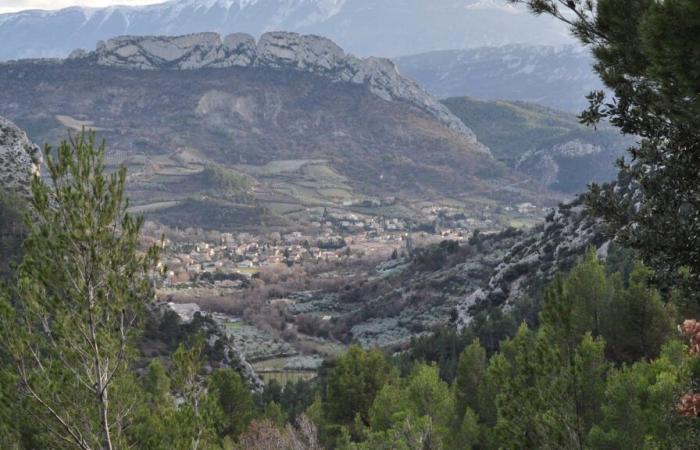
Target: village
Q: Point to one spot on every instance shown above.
(225, 259)
(276, 292)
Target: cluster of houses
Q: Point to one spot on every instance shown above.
(329, 238)
(185, 262)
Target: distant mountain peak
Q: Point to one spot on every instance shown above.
(364, 27)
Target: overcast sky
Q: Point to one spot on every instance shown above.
(18, 5)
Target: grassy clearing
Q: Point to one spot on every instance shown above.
(287, 376)
(280, 166)
(153, 207)
(77, 125)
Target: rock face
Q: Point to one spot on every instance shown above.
(548, 145)
(19, 158)
(279, 50)
(536, 257)
(545, 163)
(221, 348)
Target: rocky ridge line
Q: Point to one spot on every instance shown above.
(278, 50)
(542, 164)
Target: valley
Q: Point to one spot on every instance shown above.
(313, 200)
(349, 224)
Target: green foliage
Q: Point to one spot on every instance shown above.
(575, 305)
(468, 383)
(551, 387)
(183, 413)
(548, 399)
(235, 406)
(80, 291)
(294, 399)
(226, 181)
(354, 382)
(417, 410)
(633, 320)
(157, 383)
(646, 53)
(637, 323)
(12, 231)
(637, 411)
(510, 129)
(442, 347)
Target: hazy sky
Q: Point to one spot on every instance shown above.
(18, 5)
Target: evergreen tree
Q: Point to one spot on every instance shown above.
(471, 370)
(548, 400)
(353, 383)
(574, 305)
(636, 321)
(157, 383)
(640, 402)
(12, 231)
(647, 53)
(415, 413)
(82, 286)
(234, 403)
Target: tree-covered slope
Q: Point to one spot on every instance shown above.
(547, 144)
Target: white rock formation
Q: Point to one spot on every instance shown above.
(544, 163)
(277, 50)
(19, 158)
(541, 252)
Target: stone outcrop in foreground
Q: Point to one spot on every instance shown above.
(19, 158)
(277, 50)
(535, 258)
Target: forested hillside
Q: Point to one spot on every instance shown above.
(546, 144)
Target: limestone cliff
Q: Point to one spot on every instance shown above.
(280, 50)
(535, 257)
(19, 158)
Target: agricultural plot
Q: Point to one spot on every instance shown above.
(76, 124)
(257, 344)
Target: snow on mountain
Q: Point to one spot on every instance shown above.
(558, 77)
(364, 27)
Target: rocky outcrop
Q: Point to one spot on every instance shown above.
(221, 350)
(19, 158)
(534, 258)
(277, 50)
(545, 164)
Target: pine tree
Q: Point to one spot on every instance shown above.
(471, 370)
(357, 378)
(637, 323)
(640, 405)
(82, 286)
(548, 398)
(647, 53)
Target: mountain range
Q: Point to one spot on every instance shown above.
(232, 133)
(364, 27)
(557, 77)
